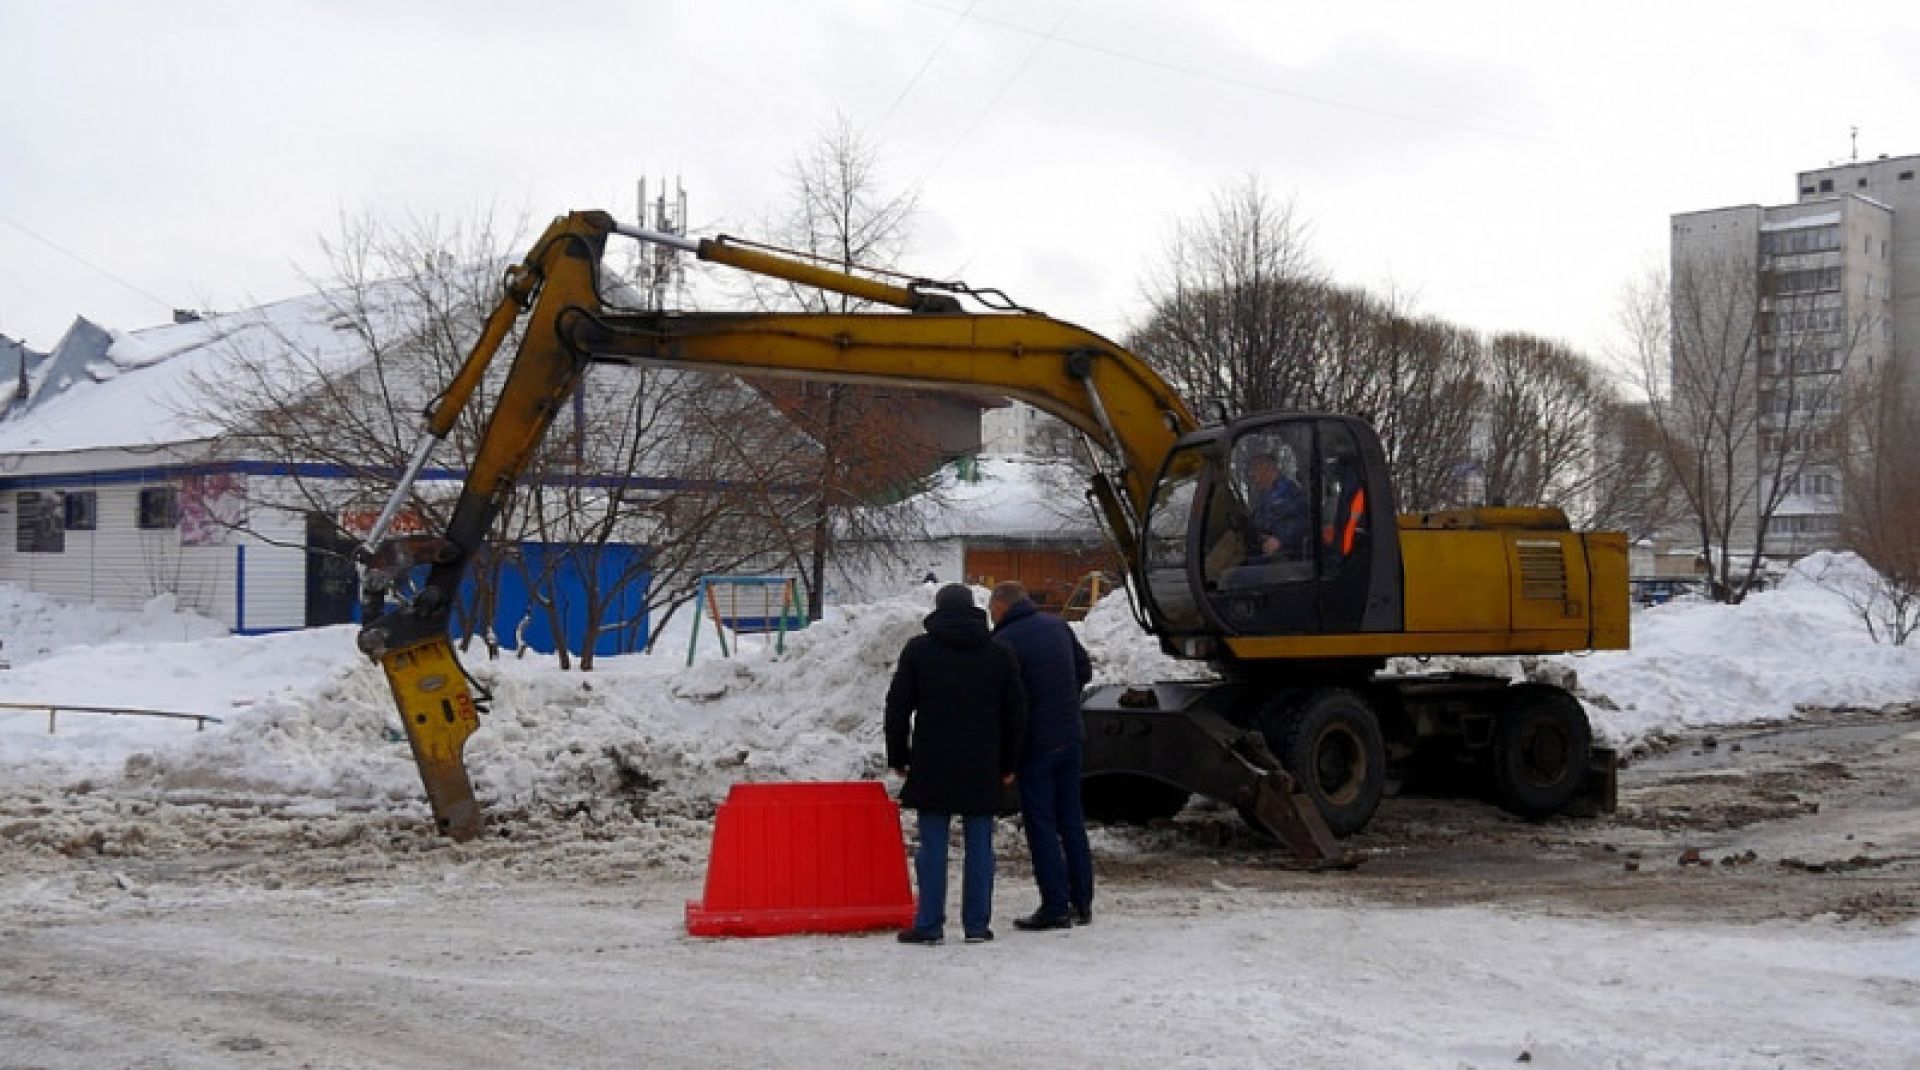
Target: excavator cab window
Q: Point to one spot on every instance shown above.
(1284, 534)
(1171, 523)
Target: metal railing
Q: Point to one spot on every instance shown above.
(54, 709)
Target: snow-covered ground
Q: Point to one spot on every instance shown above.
(305, 713)
(569, 952)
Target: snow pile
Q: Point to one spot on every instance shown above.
(243, 680)
(305, 715)
(1008, 496)
(1702, 663)
(1123, 653)
(34, 626)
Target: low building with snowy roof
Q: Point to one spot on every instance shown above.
(127, 470)
(990, 519)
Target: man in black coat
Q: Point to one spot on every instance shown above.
(1053, 667)
(955, 718)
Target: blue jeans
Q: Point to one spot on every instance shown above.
(1057, 829)
(976, 879)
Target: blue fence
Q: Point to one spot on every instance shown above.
(611, 569)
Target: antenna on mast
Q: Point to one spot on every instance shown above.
(1853, 135)
(655, 269)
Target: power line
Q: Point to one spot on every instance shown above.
(1242, 83)
(1050, 35)
(77, 258)
(938, 47)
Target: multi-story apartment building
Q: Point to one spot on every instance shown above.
(1794, 306)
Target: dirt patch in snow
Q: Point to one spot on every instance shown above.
(1816, 817)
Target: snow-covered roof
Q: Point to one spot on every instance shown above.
(1012, 497)
(12, 356)
(108, 389)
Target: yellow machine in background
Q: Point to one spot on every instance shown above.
(1296, 597)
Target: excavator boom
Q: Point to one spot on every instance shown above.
(1092, 384)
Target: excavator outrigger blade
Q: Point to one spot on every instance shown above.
(1282, 811)
(1177, 729)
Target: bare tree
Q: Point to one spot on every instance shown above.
(331, 398)
(1745, 378)
(1236, 303)
(1632, 489)
(648, 477)
(1242, 322)
(870, 445)
(1881, 519)
(652, 480)
(1412, 379)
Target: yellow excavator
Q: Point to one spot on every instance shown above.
(1268, 547)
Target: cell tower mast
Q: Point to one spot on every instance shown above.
(656, 270)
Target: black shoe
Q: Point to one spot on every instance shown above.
(980, 936)
(1081, 915)
(1037, 921)
(919, 936)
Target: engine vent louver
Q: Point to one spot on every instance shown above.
(1543, 569)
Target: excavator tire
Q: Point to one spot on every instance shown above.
(1541, 741)
(1330, 741)
(1121, 799)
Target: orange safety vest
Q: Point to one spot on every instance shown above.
(1357, 508)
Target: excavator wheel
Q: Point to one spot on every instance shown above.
(1541, 741)
(1330, 741)
(1123, 799)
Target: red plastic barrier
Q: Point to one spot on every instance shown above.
(804, 858)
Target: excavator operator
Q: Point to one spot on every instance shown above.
(1280, 517)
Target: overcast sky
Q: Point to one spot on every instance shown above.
(1503, 166)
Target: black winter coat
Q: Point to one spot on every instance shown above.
(955, 716)
(1053, 667)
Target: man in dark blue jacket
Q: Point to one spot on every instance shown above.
(955, 717)
(1054, 667)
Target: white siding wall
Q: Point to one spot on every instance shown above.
(276, 574)
(120, 566)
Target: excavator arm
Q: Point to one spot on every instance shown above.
(1092, 384)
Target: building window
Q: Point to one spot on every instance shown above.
(1816, 280)
(1810, 189)
(1863, 184)
(1906, 176)
(159, 508)
(1826, 185)
(82, 508)
(1801, 240)
(37, 527)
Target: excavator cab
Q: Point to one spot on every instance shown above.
(1273, 526)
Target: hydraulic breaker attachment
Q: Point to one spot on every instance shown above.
(439, 713)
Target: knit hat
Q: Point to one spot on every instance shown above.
(954, 596)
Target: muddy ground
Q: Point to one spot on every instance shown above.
(1817, 817)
